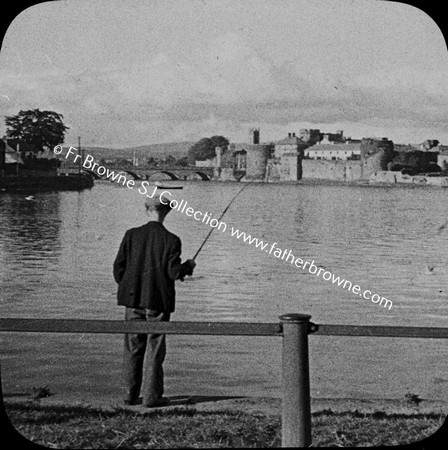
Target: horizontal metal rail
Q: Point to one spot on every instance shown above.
(382, 331)
(293, 328)
(211, 328)
(123, 326)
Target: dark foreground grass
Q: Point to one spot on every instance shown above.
(81, 427)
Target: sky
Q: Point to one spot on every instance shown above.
(136, 72)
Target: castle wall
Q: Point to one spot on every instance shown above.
(353, 170)
(442, 161)
(273, 170)
(224, 174)
(291, 168)
(374, 163)
(375, 155)
(286, 168)
(338, 170)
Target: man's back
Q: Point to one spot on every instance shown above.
(146, 266)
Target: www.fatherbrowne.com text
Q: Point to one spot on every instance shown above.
(286, 255)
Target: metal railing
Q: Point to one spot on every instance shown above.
(294, 328)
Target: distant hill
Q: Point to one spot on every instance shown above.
(176, 149)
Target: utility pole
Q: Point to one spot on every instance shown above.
(80, 154)
(17, 160)
(2, 158)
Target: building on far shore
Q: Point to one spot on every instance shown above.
(326, 156)
(290, 144)
(333, 151)
(332, 146)
(8, 155)
(21, 168)
(442, 157)
(313, 136)
(416, 158)
(206, 163)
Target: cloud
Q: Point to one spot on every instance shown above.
(230, 81)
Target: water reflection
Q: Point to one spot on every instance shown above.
(30, 242)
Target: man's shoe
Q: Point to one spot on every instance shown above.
(163, 401)
(131, 401)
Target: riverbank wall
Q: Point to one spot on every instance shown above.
(388, 177)
(46, 183)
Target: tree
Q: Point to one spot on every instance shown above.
(205, 148)
(123, 162)
(37, 129)
(185, 161)
(169, 160)
(150, 161)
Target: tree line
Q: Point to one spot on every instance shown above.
(37, 131)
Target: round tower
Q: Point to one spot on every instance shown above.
(257, 158)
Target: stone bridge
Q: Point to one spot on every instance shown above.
(156, 173)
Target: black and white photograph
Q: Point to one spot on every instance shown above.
(223, 224)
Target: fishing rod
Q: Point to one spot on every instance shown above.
(220, 217)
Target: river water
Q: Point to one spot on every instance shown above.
(57, 251)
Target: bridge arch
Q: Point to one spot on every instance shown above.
(133, 174)
(94, 174)
(203, 176)
(170, 174)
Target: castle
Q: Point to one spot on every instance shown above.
(315, 155)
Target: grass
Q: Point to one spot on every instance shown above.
(82, 427)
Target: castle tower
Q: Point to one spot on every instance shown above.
(256, 160)
(218, 151)
(255, 136)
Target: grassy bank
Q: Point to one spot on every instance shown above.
(87, 427)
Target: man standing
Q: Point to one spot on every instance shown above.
(147, 264)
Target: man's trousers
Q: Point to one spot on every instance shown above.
(134, 360)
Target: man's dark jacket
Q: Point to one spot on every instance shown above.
(146, 266)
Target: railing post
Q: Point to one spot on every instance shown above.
(296, 408)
